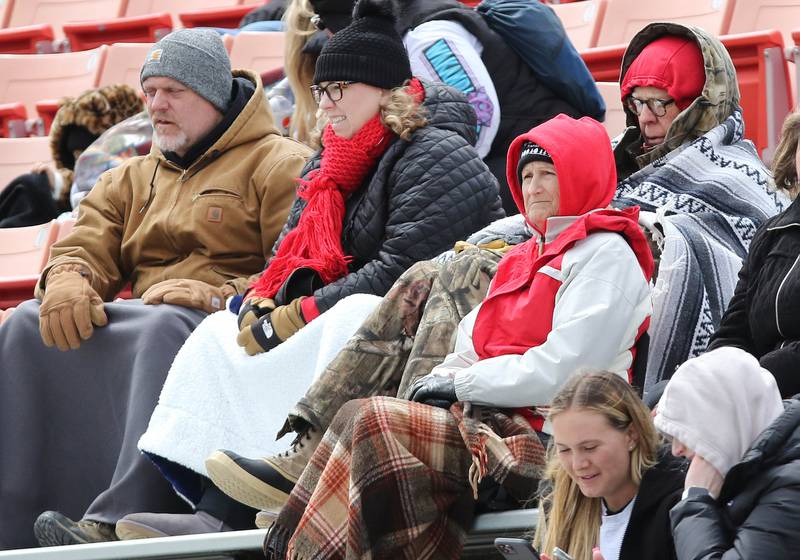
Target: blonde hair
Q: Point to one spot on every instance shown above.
(400, 112)
(299, 69)
(571, 521)
(784, 168)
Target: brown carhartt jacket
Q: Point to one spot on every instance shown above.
(215, 221)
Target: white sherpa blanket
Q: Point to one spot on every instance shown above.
(218, 397)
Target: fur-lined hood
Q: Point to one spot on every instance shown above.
(96, 110)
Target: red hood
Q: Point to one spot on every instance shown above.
(584, 162)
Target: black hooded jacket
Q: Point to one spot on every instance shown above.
(757, 514)
(423, 196)
(648, 534)
(763, 316)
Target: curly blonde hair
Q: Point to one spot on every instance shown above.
(571, 520)
(784, 168)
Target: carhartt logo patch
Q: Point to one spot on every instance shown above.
(155, 56)
(214, 214)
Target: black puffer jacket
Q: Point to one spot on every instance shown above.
(757, 514)
(424, 195)
(763, 317)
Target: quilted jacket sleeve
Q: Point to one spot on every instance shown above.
(701, 532)
(439, 191)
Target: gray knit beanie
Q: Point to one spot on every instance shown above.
(197, 59)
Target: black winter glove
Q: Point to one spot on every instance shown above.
(271, 11)
(433, 390)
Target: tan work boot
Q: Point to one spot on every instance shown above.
(263, 483)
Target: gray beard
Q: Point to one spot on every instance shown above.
(172, 143)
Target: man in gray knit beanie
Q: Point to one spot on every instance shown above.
(188, 58)
(197, 59)
(187, 225)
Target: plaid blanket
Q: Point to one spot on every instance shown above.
(396, 479)
(709, 196)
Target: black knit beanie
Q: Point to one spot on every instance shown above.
(531, 152)
(369, 50)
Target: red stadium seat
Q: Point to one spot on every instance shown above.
(28, 78)
(763, 76)
(26, 40)
(123, 64)
(23, 253)
(615, 116)
(604, 62)
(228, 17)
(58, 12)
(260, 51)
(11, 115)
(624, 18)
(19, 155)
(47, 109)
(174, 7)
(86, 35)
(582, 20)
(756, 15)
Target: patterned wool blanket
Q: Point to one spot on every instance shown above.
(709, 197)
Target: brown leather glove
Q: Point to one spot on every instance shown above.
(70, 308)
(253, 309)
(272, 329)
(188, 293)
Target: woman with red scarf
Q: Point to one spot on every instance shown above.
(395, 183)
(392, 478)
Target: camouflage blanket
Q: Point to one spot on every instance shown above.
(409, 333)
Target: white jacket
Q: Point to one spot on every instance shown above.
(602, 300)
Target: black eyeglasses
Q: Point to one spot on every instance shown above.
(318, 22)
(657, 106)
(333, 90)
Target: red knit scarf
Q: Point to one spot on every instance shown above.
(316, 242)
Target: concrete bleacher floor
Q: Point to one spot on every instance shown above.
(600, 29)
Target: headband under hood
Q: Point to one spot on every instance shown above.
(581, 153)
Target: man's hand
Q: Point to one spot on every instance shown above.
(434, 390)
(188, 293)
(253, 309)
(270, 330)
(70, 308)
(702, 474)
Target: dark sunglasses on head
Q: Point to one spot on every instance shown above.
(657, 106)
